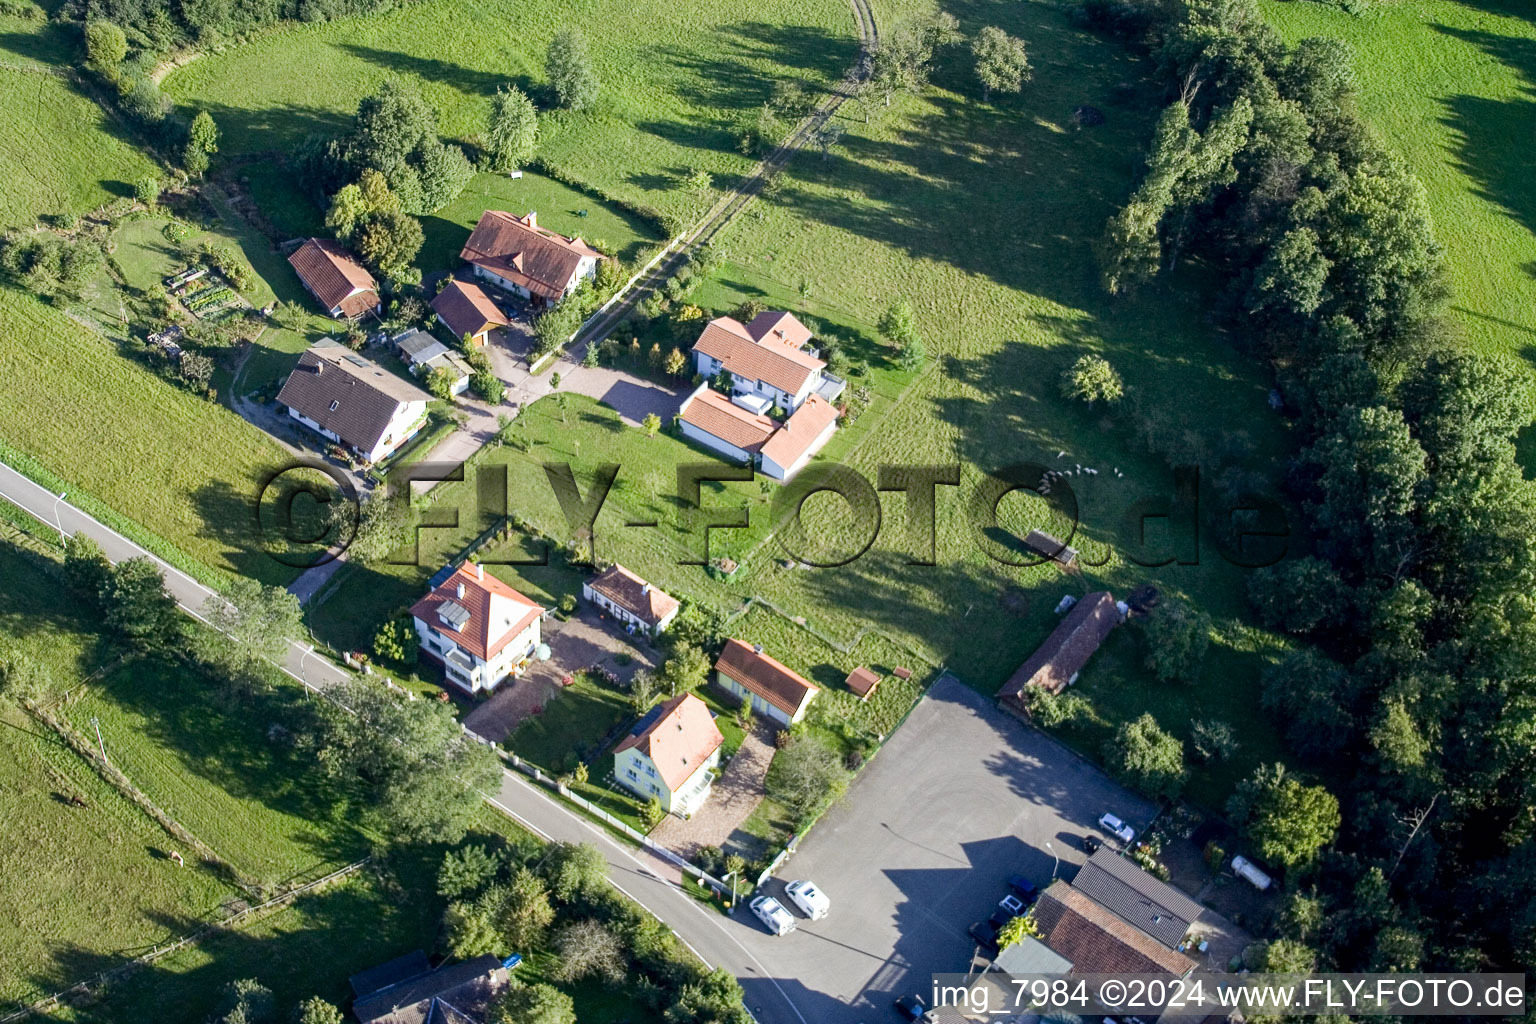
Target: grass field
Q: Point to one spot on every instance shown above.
(178, 464)
(675, 77)
(209, 762)
(983, 217)
(1451, 86)
(61, 154)
(87, 886)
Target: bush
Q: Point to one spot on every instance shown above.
(1091, 379)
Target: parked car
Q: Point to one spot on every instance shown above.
(914, 1009)
(985, 934)
(1117, 828)
(813, 903)
(1012, 904)
(1023, 888)
(773, 915)
(1091, 845)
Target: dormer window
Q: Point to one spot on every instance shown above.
(334, 404)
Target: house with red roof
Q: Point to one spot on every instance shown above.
(1056, 663)
(671, 754)
(467, 312)
(337, 281)
(737, 428)
(477, 628)
(631, 600)
(516, 255)
(772, 688)
(801, 436)
(769, 360)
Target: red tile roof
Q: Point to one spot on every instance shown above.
(682, 737)
(335, 278)
(1098, 942)
(466, 309)
(715, 414)
(633, 594)
(517, 249)
(780, 326)
(767, 677)
(481, 636)
(862, 681)
(764, 357)
(1067, 649)
(800, 432)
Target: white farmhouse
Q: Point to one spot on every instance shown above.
(516, 255)
(631, 600)
(767, 360)
(477, 628)
(353, 401)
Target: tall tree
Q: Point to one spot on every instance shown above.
(1001, 62)
(533, 1004)
(262, 621)
(1148, 758)
(422, 774)
(512, 129)
(1288, 822)
(570, 72)
(138, 608)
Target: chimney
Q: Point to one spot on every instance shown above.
(319, 365)
(479, 571)
(459, 590)
(645, 588)
(532, 220)
(757, 648)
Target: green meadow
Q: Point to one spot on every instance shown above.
(675, 76)
(1450, 85)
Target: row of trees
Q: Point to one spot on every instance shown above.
(1417, 684)
(907, 56)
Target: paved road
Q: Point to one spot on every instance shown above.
(299, 661)
(735, 943)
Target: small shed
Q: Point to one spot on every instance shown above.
(1042, 543)
(862, 681)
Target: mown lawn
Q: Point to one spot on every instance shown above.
(61, 153)
(310, 948)
(180, 465)
(1450, 85)
(675, 77)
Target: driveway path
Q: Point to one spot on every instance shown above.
(732, 799)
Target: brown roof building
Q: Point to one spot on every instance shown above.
(353, 401)
(1056, 663)
(465, 309)
(804, 434)
(774, 689)
(678, 737)
(477, 611)
(1123, 887)
(516, 254)
(862, 681)
(336, 280)
(1098, 942)
(631, 598)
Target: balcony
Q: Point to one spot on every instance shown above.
(831, 387)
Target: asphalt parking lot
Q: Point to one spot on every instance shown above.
(961, 797)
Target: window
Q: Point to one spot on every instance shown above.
(334, 404)
(632, 774)
(654, 790)
(650, 770)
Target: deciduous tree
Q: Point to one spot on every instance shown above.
(1001, 62)
(512, 129)
(1289, 823)
(570, 72)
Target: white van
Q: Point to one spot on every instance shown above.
(1245, 868)
(813, 903)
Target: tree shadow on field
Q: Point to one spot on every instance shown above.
(1504, 8)
(722, 80)
(228, 516)
(466, 80)
(1493, 136)
(239, 741)
(321, 940)
(279, 128)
